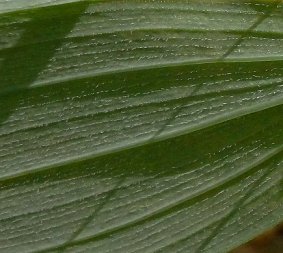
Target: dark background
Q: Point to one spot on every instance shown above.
(269, 242)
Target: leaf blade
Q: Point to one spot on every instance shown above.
(118, 151)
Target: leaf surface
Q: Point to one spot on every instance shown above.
(139, 126)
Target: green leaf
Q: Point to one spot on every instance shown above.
(139, 126)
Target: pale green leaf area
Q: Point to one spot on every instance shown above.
(139, 126)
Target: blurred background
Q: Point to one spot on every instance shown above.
(269, 242)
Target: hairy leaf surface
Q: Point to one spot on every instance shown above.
(139, 126)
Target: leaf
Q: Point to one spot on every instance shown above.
(139, 126)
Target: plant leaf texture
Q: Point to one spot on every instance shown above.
(139, 126)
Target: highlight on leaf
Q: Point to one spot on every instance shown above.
(139, 126)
